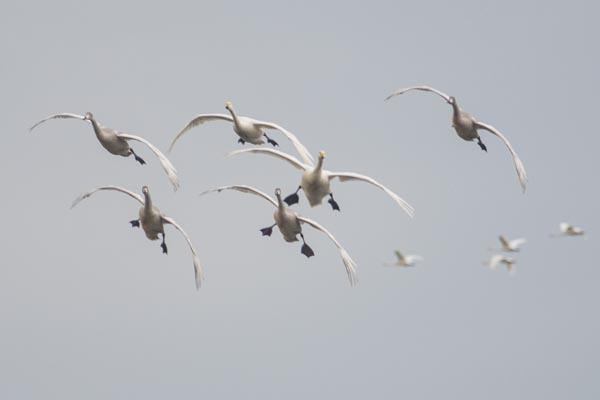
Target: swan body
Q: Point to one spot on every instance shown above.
(497, 259)
(117, 143)
(467, 127)
(405, 261)
(290, 226)
(316, 181)
(248, 129)
(570, 230)
(511, 245)
(152, 222)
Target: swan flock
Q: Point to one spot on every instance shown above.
(315, 181)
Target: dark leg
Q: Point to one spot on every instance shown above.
(135, 223)
(306, 250)
(271, 141)
(163, 245)
(292, 198)
(333, 203)
(268, 230)
(480, 143)
(242, 141)
(138, 159)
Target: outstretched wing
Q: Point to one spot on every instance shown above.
(274, 153)
(519, 167)
(62, 115)
(117, 188)
(348, 262)
(198, 272)
(399, 256)
(504, 241)
(421, 88)
(411, 259)
(351, 176)
(164, 161)
(495, 260)
(199, 120)
(243, 189)
(516, 243)
(300, 148)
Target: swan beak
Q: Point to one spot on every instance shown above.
(322, 154)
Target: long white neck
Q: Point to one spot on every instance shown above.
(455, 109)
(319, 166)
(280, 203)
(233, 115)
(147, 202)
(96, 126)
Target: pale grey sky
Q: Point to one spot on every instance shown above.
(92, 309)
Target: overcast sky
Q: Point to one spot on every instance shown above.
(91, 309)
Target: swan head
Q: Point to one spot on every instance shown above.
(228, 105)
(452, 100)
(322, 155)
(278, 192)
(145, 190)
(88, 116)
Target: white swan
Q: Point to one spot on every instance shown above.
(511, 245)
(500, 259)
(405, 261)
(570, 230)
(248, 129)
(466, 127)
(117, 143)
(152, 222)
(290, 226)
(315, 181)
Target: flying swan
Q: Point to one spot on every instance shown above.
(248, 130)
(152, 222)
(466, 126)
(117, 143)
(315, 181)
(511, 246)
(404, 261)
(497, 259)
(290, 226)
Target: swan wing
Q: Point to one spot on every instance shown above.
(300, 148)
(420, 88)
(351, 176)
(243, 189)
(198, 272)
(164, 161)
(274, 153)
(519, 167)
(516, 243)
(199, 120)
(399, 256)
(116, 188)
(62, 115)
(348, 262)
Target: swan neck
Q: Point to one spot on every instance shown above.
(319, 166)
(280, 204)
(96, 126)
(147, 202)
(455, 109)
(233, 115)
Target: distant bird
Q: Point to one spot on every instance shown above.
(511, 245)
(315, 181)
(500, 259)
(466, 126)
(248, 130)
(117, 143)
(405, 261)
(570, 230)
(152, 222)
(290, 226)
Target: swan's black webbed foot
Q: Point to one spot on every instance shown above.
(306, 250)
(242, 141)
(137, 158)
(292, 198)
(267, 231)
(135, 223)
(163, 245)
(271, 141)
(334, 204)
(481, 145)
